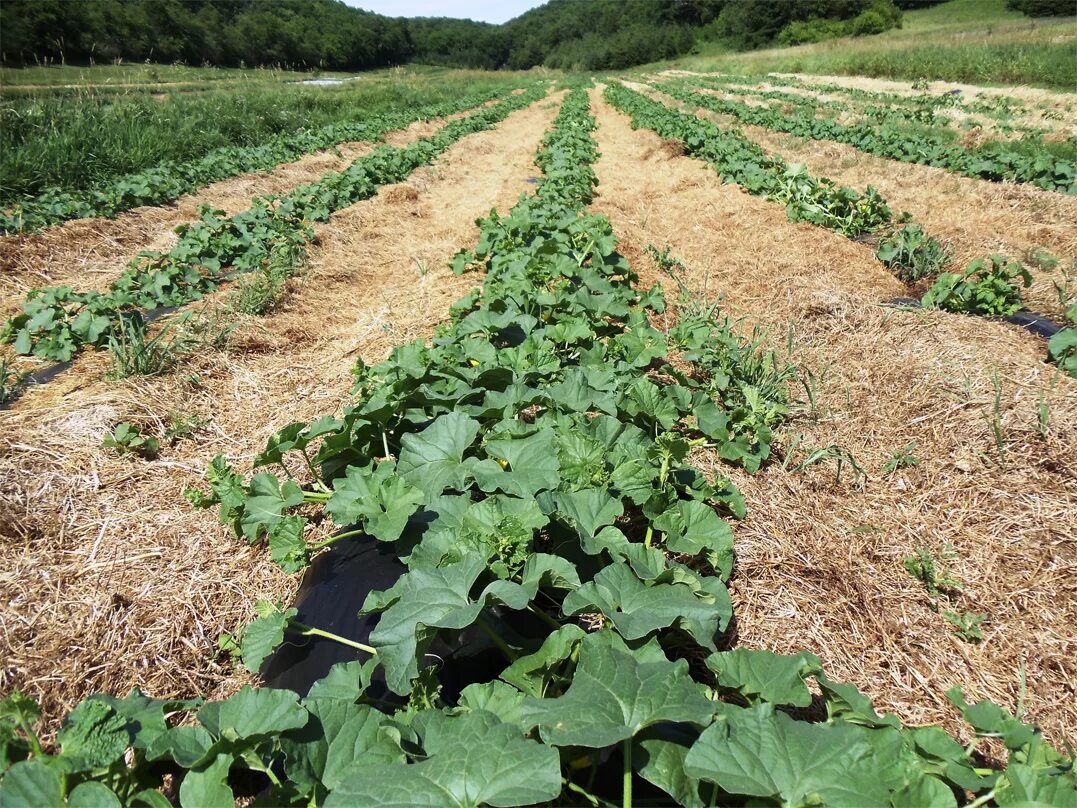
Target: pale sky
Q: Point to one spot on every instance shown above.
(484, 10)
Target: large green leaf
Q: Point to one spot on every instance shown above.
(94, 734)
(433, 460)
(253, 714)
(339, 737)
(378, 496)
(208, 787)
(265, 505)
(471, 760)
(637, 608)
(93, 795)
(658, 755)
(531, 461)
(532, 673)
(614, 695)
(765, 676)
(264, 634)
(424, 600)
(30, 784)
(694, 528)
(757, 752)
(588, 510)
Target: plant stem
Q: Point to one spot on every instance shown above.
(317, 477)
(986, 798)
(498, 641)
(337, 537)
(385, 443)
(591, 798)
(310, 631)
(647, 538)
(31, 736)
(626, 788)
(531, 607)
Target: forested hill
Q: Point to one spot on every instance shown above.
(584, 34)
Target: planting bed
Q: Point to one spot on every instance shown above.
(681, 512)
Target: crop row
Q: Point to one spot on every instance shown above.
(171, 179)
(996, 162)
(1000, 107)
(898, 110)
(989, 286)
(270, 237)
(562, 563)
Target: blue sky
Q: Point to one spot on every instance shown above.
(485, 10)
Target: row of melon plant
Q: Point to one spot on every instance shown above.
(987, 287)
(997, 162)
(920, 106)
(271, 236)
(171, 179)
(560, 557)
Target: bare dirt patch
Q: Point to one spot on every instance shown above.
(820, 559)
(110, 580)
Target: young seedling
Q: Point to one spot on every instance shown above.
(967, 625)
(902, 458)
(183, 425)
(11, 380)
(127, 439)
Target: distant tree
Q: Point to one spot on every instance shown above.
(1044, 8)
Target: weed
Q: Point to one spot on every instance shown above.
(11, 380)
(127, 439)
(136, 353)
(995, 419)
(967, 625)
(1040, 258)
(912, 254)
(940, 584)
(183, 425)
(932, 573)
(841, 457)
(811, 384)
(901, 458)
(665, 262)
(261, 292)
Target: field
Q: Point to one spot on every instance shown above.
(699, 437)
(977, 41)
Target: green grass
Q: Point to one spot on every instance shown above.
(975, 41)
(78, 141)
(141, 74)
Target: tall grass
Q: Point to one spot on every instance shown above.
(79, 141)
(975, 41)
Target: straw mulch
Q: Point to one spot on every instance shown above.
(109, 579)
(820, 558)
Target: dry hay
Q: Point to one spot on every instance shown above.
(975, 218)
(110, 579)
(820, 561)
(90, 253)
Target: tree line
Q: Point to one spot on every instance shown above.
(326, 34)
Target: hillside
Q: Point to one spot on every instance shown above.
(960, 40)
(326, 34)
